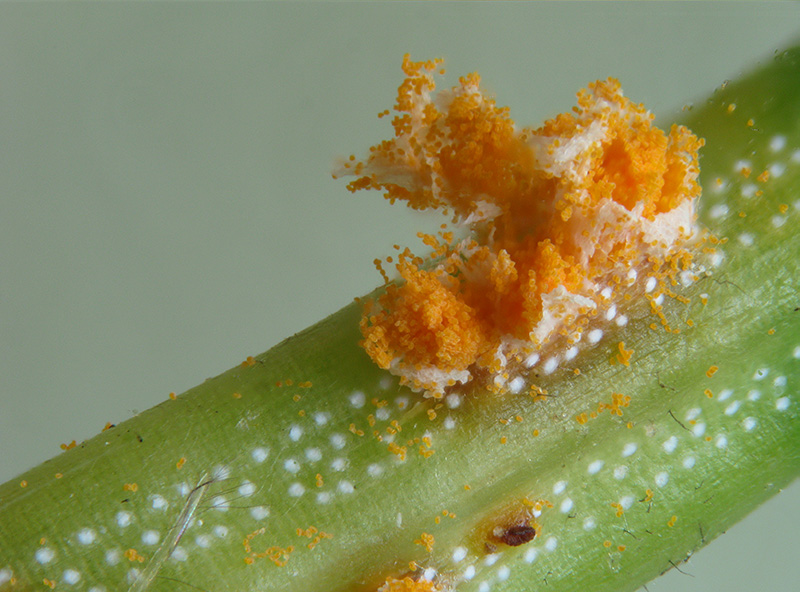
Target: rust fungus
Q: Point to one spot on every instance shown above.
(556, 214)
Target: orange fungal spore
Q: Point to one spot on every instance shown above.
(556, 224)
(425, 540)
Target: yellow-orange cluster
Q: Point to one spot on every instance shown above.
(553, 214)
(278, 555)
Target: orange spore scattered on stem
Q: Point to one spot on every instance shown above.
(554, 214)
(425, 540)
(624, 355)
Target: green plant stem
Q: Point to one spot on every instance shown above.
(344, 451)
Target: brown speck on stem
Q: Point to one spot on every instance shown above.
(518, 534)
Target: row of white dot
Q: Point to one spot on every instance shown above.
(503, 572)
(551, 364)
(661, 479)
(150, 537)
(593, 337)
(87, 536)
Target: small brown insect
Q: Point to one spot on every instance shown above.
(517, 535)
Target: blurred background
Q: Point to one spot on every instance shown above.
(167, 208)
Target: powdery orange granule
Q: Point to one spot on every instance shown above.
(552, 212)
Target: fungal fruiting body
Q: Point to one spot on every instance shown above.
(557, 222)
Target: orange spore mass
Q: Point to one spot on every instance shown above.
(553, 212)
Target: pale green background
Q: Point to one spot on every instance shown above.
(166, 206)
